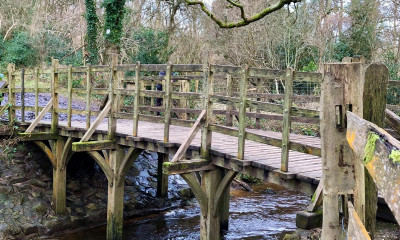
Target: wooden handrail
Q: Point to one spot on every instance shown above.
(97, 122)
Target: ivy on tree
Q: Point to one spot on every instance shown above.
(114, 15)
(91, 32)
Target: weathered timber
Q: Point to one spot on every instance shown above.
(229, 108)
(379, 152)
(162, 179)
(48, 153)
(136, 100)
(394, 83)
(4, 108)
(374, 105)
(40, 116)
(112, 121)
(129, 158)
(167, 102)
(316, 200)
(356, 229)
(11, 95)
(286, 120)
(23, 95)
(192, 134)
(88, 93)
(69, 113)
(54, 95)
(104, 165)
(392, 120)
(37, 136)
(337, 164)
(206, 133)
(186, 166)
(93, 146)
(242, 112)
(97, 122)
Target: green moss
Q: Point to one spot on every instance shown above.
(370, 147)
(313, 197)
(395, 156)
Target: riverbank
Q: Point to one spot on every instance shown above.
(26, 194)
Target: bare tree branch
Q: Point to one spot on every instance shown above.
(245, 21)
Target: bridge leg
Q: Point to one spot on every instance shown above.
(61, 151)
(213, 197)
(162, 179)
(115, 204)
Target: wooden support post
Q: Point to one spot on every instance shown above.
(152, 98)
(259, 91)
(162, 179)
(69, 114)
(62, 150)
(229, 108)
(23, 95)
(115, 203)
(337, 162)
(36, 91)
(11, 95)
(136, 101)
(54, 95)
(374, 105)
(286, 120)
(167, 102)
(224, 206)
(112, 121)
(88, 93)
(242, 111)
(206, 134)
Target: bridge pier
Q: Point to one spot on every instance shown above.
(115, 203)
(212, 193)
(162, 179)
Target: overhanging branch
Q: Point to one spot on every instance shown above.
(245, 21)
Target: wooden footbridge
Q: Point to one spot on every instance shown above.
(204, 123)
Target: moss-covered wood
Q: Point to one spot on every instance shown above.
(186, 166)
(93, 146)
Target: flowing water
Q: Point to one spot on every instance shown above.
(269, 212)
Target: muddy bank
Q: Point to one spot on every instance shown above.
(26, 193)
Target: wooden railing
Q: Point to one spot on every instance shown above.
(187, 90)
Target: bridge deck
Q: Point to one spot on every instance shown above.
(304, 166)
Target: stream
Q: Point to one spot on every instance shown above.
(269, 212)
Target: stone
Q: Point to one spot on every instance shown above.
(185, 193)
(22, 187)
(309, 220)
(36, 194)
(40, 207)
(293, 236)
(39, 184)
(28, 229)
(91, 206)
(18, 180)
(73, 186)
(5, 189)
(89, 193)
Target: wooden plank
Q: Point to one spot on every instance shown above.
(136, 100)
(93, 146)
(96, 123)
(112, 121)
(286, 120)
(88, 93)
(242, 111)
(379, 152)
(392, 120)
(182, 167)
(393, 83)
(54, 95)
(11, 95)
(69, 112)
(37, 136)
(192, 134)
(23, 95)
(40, 116)
(229, 108)
(167, 102)
(36, 92)
(206, 134)
(316, 200)
(356, 229)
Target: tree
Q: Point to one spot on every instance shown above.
(91, 31)
(113, 25)
(245, 20)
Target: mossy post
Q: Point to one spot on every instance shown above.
(162, 179)
(229, 108)
(374, 105)
(286, 120)
(242, 111)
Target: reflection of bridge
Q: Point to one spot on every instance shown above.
(209, 160)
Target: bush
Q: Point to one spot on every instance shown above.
(20, 50)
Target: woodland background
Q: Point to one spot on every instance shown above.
(304, 35)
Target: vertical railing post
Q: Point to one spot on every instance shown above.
(88, 93)
(229, 108)
(36, 92)
(69, 114)
(11, 96)
(22, 95)
(54, 95)
(286, 120)
(136, 100)
(112, 121)
(206, 134)
(242, 111)
(258, 91)
(167, 101)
